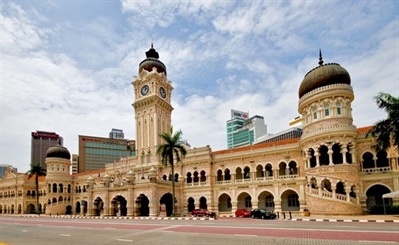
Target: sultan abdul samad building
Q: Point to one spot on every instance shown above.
(331, 169)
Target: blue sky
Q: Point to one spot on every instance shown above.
(67, 66)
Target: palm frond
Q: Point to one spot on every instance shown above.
(386, 131)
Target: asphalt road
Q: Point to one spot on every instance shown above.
(232, 231)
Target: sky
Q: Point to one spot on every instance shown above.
(67, 66)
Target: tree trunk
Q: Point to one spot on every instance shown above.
(173, 189)
(37, 193)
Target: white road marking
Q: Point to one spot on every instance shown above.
(124, 240)
(65, 235)
(374, 242)
(244, 235)
(25, 231)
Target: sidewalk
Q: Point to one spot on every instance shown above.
(359, 218)
(294, 217)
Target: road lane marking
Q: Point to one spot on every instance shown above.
(65, 235)
(244, 235)
(124, 240)
(376, 241)
(25, 231)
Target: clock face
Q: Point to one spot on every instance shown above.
(162, 91)
(144, 90)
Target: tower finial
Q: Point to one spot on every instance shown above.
(320, 58)
(152, 46)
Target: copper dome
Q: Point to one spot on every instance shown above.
(152, 61)
(58, 151)
(323, 75)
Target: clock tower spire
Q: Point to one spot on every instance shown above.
(152, 105)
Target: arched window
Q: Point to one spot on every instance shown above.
(339, 109)
(54, 188)
(227, 174)
(326, 110)
(314, 112)
(196, 178)
(368, 160)
(189, 178)
(219, 175)
(203, 176)
(382, 160)
(324, 158)
(337, 155)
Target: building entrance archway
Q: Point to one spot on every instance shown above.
(203, 203)
(98, 206)
(190, 204)
(30, 208)
(167, 200)
(77, 208)
(142, 208)
(374, 196)
(118, 206)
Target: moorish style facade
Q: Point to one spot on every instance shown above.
(332, 168)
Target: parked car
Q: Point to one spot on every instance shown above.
(262, 214)
(202, 212)
(243, 212)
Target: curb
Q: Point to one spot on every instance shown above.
(114, 217)
(201, 218)
(347, 220)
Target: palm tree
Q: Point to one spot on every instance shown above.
(169, 151)
(387, 131)
(37, 171)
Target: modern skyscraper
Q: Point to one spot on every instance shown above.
(41, 141)
(242, 131)
(116, 134)
(95, 152)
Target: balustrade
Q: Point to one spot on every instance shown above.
(223, 182)
(291, 176)
(264, 178)
(373, 170)
(314, 191)
(327, 194)
(340, 197)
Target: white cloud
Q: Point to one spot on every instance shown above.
(73, 75)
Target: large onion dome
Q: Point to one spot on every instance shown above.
(152, 61)
(58, 151)
(323, 75)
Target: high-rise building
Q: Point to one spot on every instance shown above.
(95, 152)
(242, 130)
(75, 163)
(116, 134)
(41, 141)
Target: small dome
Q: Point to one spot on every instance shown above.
(58, 151)
(323, 75)
(152, 61)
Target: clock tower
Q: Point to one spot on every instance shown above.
(152, 105)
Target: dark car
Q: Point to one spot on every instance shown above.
(243, 212)
(202, 212)
(262, 214)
